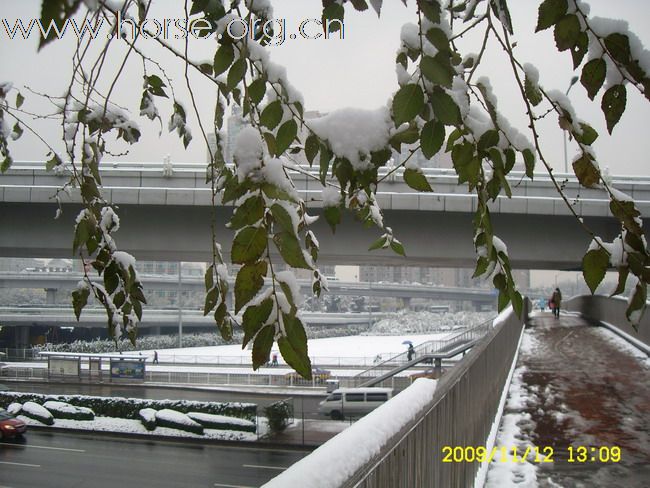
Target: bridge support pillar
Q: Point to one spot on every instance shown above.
(437, 367)
(50, 296)
(22, 337)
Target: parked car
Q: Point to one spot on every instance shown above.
(10, 426)
(353, 402)
(319, 375)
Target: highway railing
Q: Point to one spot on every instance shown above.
(460, 412)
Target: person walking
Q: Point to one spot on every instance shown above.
(155, 357)
(556, 300)
(410, 353)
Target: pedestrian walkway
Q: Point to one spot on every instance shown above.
(582, 394)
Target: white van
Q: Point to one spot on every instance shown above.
(353, 402)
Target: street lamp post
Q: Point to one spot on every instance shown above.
(566, 160)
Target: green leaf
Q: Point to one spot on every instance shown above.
(623, 273)
(436, 70)
(588, 175)
(567, 32)
(271, 144)
(272, 114)
(325, 157)
(255, 316)
(407, 103)
(84, 230)
(439, 39)
(332, 216)
(510, 159)
(613, 105)
(282, 217)
(257, 90)
(290, 249)
(272, 191)
(79, 300)
(55, 161)
(286, 134)
(627, 213)
(588, 135)
(312, 147)
(444, 108)
(618, 46)
(208, 278)
(6, 164)
(580, 49)
(248, 213)
(262, 346)
(19, 100)
(294, 347)
(431, 10)
(249, 281)
(529, 162)
(408, 136)
(249, 245)
(431, 138)
(333, 12)
(489, 138)
(397, 247)
(594, 267)
(55, 12)
(237, 73)
(223, 58)
(533, 94)
(550, 12)
(593, 76)
(637, 304)
(211, 298)
(378, 244)
(416, 180)
(517, 302)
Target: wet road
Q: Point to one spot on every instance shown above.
(68, 460)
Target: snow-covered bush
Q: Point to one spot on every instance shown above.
(148, 418)
(222, 422)
(14, 408)
(278, 415)
(128, 408)
(62, 410)
(37, 412)
(407, 322)
(177, 420)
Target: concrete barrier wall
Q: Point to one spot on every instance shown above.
(460, 412)
(611, 310)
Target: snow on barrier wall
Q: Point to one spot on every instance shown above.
(611, 312)
(401, 443)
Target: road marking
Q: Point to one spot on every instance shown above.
(44, 447)
(219, 485)
(22, 464)
(281, 468)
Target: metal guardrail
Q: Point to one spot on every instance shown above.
(461, 412)
(430, 347)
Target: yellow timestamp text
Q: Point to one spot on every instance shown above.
(532, 454)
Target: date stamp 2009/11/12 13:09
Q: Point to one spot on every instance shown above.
(532, 454)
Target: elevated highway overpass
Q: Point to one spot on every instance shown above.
(166, 216)
(68, 281)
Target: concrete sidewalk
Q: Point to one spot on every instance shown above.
(576, 384)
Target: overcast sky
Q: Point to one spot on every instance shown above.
(357, 71)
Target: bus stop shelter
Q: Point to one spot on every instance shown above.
(95, 366)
